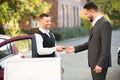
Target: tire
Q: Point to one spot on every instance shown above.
(118, 57)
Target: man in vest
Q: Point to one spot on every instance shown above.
(45, 40)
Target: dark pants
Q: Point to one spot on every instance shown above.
(99, 76)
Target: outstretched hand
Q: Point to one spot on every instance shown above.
(70, 49)
(59, 48)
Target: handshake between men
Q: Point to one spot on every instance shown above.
(68, 49)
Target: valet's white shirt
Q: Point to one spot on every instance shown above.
(39, 43)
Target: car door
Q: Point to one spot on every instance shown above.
(20, 45)
(5, 52)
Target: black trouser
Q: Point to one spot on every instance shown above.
(99, 76)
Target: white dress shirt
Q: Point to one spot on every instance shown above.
(96, 19)
(39, 42)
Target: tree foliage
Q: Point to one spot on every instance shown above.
(111, 8)
(12, 11)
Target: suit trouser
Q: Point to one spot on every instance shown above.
(99, 76)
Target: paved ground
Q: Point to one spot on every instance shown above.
(75, 65)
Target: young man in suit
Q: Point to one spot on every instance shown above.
(99, 43)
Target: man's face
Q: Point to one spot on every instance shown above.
(45, 22)
(89, 14)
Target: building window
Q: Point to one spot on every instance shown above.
(78, 16)
(34, 23)
(63, 16)
(67, 16)
(74, 14)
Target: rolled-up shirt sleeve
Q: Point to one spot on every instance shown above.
(40, 49)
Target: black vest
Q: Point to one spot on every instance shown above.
(48, 42)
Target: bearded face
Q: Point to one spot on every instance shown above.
(90, 18)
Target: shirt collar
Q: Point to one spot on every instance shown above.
(44, 31)
(96, 19)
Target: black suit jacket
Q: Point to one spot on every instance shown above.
(98, 45)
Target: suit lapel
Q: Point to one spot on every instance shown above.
(94, 28)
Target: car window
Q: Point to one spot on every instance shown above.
(24, 47)
(19, 45)
(5, 50)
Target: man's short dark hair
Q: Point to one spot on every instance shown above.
(43, 15)
(91, 5)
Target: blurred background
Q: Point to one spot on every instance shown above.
(19, 17)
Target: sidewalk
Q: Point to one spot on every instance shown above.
(76, 65)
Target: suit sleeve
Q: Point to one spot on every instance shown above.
(106, 31)
(80, 48)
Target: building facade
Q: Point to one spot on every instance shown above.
(66, 13)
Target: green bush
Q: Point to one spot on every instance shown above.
(67, 33)
(2, 31)
(86, 23)
(64, 33)
(32, 31)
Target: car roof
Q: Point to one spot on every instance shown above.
(16, 38)
(4, 36)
